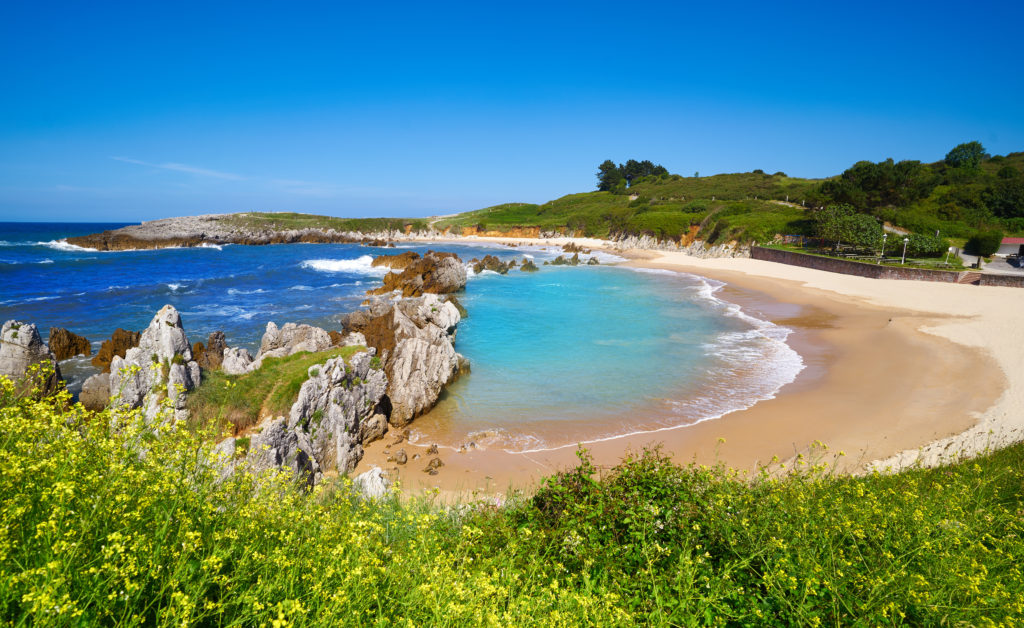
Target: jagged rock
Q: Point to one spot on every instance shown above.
(65, 344)
(458, 305)
(562, 261)
(211, 356)
(572, 247)
(117, 345)
(277, 446)
(492, 263)
(593, 261)
(279, 342)
(401, 457)
(20, 348)
(332, 406)
(373, 484)
(95, 393)
(236, 361)
(434, 273)
(161, 367)
(396, 262)
(528, 266)
(336, 338)
(373, 428)
(432, 450)
(225, 457)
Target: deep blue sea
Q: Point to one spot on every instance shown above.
(558, 356)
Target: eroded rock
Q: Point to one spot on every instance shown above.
(21, 347)
(65, 344)
(117, 345)
(211, 355)
(434, 273)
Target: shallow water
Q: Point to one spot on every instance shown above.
(557, 356)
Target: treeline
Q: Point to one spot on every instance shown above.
(611, 176)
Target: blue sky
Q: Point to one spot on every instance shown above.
(133, 111)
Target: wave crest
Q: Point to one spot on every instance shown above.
(360, 266)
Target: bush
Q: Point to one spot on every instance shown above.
(926, 245)
(984, 243)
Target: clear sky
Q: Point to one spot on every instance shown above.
(131, 111)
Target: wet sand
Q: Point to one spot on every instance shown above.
(883, 379)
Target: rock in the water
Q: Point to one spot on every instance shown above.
(236, 361)
(593, 261)
(528, 265)
(161, 367)
(434, 273)
(492, 263)
(211, 355)
(433, 466)
(20, 348)
(65, 344)
(95, 393)
(397, 262)
(117, 345)
(373, 484)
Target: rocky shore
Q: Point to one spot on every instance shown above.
(258, 229)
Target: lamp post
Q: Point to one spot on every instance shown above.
(948, 251)
(882, 256)
(904, 260)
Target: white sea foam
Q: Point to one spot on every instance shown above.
(174, 287)
(236, 291)
(301, 287)
(360, 266)
(45, 261)
(62, 245)
(210, 245)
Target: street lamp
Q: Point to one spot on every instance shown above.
(948, 251)
(904, 260)
(882, 256)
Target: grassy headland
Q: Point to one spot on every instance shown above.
(111, 521)
(276, 221)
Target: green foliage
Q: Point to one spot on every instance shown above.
(608, 176)
(375, 362)
(984, 243)
(926, 245)
(1006, 197)
(96, 533)
(967, 155)
(236, 401)
(292, 220)
(840, 223)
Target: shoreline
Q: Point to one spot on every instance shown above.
(883, 379)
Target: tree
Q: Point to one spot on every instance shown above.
(967, 155)
(1006, 198)
(841, 223)
(608, 175)
(984, 243)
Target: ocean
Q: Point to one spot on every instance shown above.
(563, 355)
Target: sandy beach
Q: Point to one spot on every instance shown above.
(898, 373)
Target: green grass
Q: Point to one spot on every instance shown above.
(236, 401)
(291, 220)
(112, 521)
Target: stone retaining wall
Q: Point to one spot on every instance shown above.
(1008, 281)
(847, 267)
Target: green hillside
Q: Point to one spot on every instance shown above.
(955, 197)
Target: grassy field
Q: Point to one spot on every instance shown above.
(236, 402)
(108, 521)
(291, 220)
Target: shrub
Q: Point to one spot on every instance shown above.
(984, 243)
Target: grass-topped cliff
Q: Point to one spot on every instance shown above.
(117, 522)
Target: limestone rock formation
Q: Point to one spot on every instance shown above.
(338, 409)
(20, 348)
(396, 262)
(211, 355)
(528, 266)
(95, 393)
(289, 339)
(65, 344)
(236, 361)
(415, 340)
(161, 367)
(117, 345)
(372, 484)
(434, 273)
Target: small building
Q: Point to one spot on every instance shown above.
(1011, 246)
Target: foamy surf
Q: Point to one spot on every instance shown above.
(362, 265)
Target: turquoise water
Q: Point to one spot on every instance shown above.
(558, 356)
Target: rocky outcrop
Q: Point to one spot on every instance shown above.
(21, 347)
(415, 340)
(65, 344)
(373, 484)
(291, 338)
(117, 345)
(528, 266)
(211, 355)
(396, 262)
(95, 394)
(491, 263)
(339, 409)
(696, 248)
(236, 361)
(434, 273)
(562, 261)
(160, 368)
